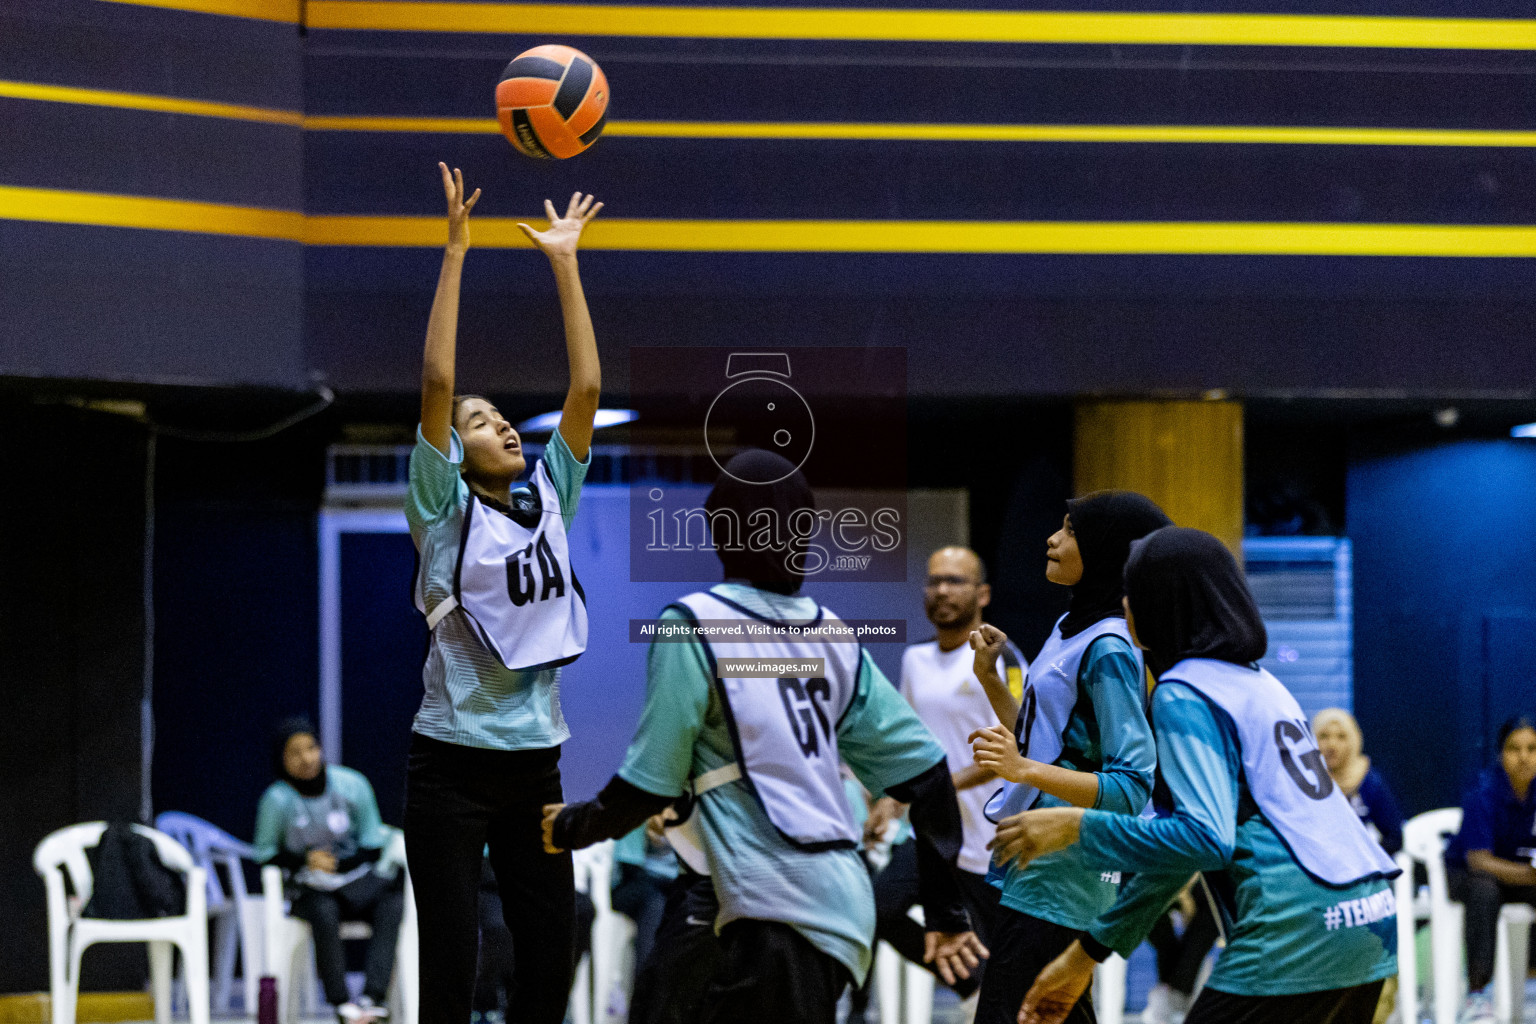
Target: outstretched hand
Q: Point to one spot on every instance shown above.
(458, 207)
(1029, 835)
(1058, 987)
(953, 954)
(551, 812)
(560, 238)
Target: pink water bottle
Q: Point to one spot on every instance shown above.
(266, 1001)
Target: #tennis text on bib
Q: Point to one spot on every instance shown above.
(785, 729)
(1050, 694)
(1286, 774)
(515, 584)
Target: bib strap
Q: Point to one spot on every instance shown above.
(440, 613)
(715, 779)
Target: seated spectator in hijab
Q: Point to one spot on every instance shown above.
(320, 824)
(644, 865)
(1492, 860)
(1341, 743)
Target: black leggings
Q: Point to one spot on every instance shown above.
(1021, 948)
(1484, 896)
(372, 898)
(458, 800)
(1355, 1005)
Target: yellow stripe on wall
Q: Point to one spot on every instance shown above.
(804, 130)
(263, 10)
(146, 101)
(57, 206)
(997, 26)
(894, 132)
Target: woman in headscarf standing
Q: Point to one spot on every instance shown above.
(1242, 795)
(1078, 738)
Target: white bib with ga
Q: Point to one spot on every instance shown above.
(784, 731)
(515, 584)
(1286, 774)
(1050, 694)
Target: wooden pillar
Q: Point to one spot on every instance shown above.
(1185, 455)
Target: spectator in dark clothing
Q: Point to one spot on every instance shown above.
(1341, 743)
(1492, 860)
(320, 824)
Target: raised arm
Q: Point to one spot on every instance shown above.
(988, 643)
(443, 324)
(558, 242)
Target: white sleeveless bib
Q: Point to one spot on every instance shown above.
(515, 585)
(1050, 693)
(1286, 774)
(784, 731)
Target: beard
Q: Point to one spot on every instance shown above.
(948, 615)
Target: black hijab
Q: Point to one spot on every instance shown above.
(756, 481)
(1105, 523)
(1190, 600)
(287, 730)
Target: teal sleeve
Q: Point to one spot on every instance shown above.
(433, 482)
(880, 737)
(1116, 685)
(1199, 760)
(271, 825)
(630, 849)
(367, 826)
(677, 683)
(566, 474)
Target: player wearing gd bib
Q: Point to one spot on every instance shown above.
(1079, 737)
(796, 913)
(1244, 796)
(505, 609)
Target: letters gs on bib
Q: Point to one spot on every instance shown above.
(521, 585)
(1289, 737)
(805, 702)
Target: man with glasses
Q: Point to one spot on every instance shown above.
(938, 680)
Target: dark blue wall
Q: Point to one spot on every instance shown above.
(1445, 607)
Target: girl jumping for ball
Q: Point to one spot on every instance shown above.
(505, 611)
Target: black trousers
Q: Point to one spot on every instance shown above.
(896, 893)
(1021, 947)
(1180, 956)
(458, 800)
(771, 974)
(495, 977)
(1484, 896)
(671, 982)
(372, 898)
(1355, 1005)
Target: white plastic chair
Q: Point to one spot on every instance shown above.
(289, 945)
(230, 911)
(1109, 990)
(904, 989)
(1410, 911)
(63, 852)
(597, 992)
(1424, 839)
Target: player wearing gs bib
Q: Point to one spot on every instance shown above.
(506, 610)
(769, 821)
(1078, 737)
(1244, 796)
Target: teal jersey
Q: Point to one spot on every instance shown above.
(636, 850)
(1289, 934)
(471, 698)
(1107, 734)
(826, 896)
(281, 805)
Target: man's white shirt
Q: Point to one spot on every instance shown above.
(942, 688)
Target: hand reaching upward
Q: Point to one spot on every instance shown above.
(560, 238)
(458, 207)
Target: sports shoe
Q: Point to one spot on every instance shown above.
(372, 1010)
(1159, 1005)
(349, 1013)
(1478, 1010)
